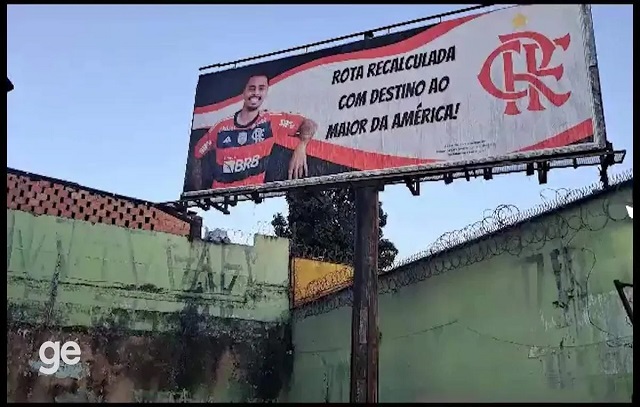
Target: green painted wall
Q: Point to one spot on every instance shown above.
(195, 321)
(529, 314)
(91, 269)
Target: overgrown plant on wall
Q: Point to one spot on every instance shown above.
(321, 225)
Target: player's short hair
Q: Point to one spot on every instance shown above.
(259, 74)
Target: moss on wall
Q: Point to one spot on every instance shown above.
(157, 317)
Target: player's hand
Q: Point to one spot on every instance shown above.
(298, 164)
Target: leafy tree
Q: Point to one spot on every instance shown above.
(321, 224)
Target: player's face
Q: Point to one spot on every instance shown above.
(255, 91)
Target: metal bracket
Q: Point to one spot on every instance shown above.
(206, 204)
(179, 206)
(256, 198)
(530, 169)
(606, 160)
(413, 185)
(448, 178)
(543, 170)
(604, 176)
(575, 163)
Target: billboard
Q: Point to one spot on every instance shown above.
(508, 84)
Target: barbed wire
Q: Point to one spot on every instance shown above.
(505, 216)
(501, 218)
(320, 295)
(243, 236)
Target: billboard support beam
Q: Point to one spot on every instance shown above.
(207, 203)
(364, 317)
(604, 177)
(543, 169)
(487, 171)
(606, 161)
(256, 198)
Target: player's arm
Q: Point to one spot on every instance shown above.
(205, 145)
(307, 129)
(303, 128)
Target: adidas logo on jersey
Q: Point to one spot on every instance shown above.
(227, 140)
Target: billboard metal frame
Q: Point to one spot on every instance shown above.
(599, 152)
(411, 176)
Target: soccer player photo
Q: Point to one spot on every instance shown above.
(240, 146)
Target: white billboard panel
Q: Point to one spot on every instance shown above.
(501, 85)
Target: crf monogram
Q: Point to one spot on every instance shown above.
(530, 42)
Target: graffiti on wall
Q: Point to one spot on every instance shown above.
(92, 252)
(571, 333)
(577, 270)
(219, 273)
(569, 269)
(72, 264)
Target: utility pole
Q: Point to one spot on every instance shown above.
(364, 320)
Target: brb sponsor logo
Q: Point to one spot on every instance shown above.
(69, 353)
(536, 51)
(232, 165)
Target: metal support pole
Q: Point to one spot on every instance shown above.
(364, 321)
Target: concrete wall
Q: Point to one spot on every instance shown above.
(526, 314)
(208, 360)
(139, 271)
(158, 317)
(77, 277)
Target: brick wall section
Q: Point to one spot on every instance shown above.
(47, 196)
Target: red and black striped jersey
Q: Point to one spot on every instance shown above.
(242, 152)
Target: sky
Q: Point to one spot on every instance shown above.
(104, 97)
